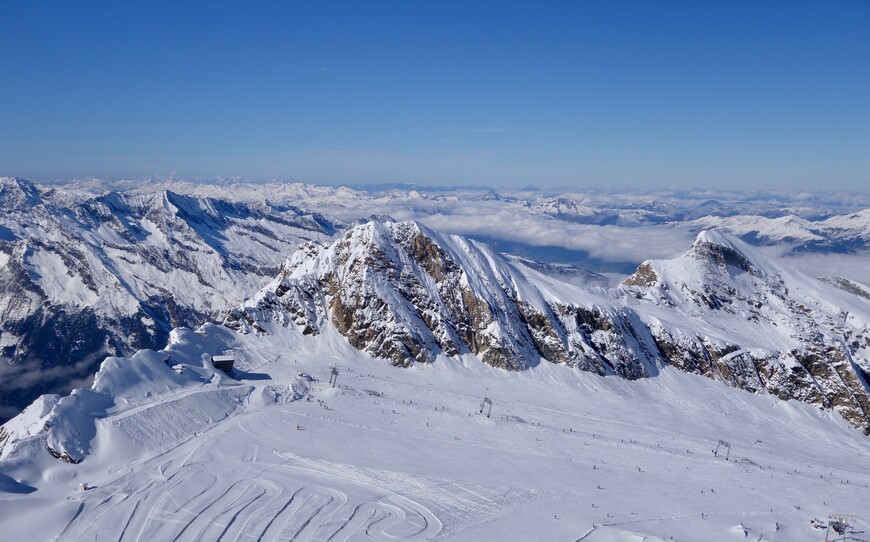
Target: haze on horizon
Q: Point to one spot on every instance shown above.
(739, 95)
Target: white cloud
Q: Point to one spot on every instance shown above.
(607, 243)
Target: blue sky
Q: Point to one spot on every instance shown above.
(576, 94)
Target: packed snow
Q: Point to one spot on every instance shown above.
(172, 449)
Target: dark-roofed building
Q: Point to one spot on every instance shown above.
(223, 362)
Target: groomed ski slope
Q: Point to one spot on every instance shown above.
(404, 454)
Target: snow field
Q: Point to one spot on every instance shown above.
(404, 454)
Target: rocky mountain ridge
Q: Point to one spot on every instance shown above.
(402, 292)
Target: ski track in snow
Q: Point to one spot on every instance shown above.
(405, 455)
(231, 501)
(234, 501)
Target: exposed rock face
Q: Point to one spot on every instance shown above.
(406, 294)
(400, 292)
(82, 277)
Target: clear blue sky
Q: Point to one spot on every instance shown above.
(575, 93)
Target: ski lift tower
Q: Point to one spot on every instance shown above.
(842, 526)
(486, 401)
(723, 444)
(333, 375)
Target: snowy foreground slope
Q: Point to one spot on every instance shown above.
(404, 454)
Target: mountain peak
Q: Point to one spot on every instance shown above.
(715, 237)
(725, 250)
(402, 292)
(17, 193)
(715, 261)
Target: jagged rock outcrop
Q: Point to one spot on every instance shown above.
(406, 294)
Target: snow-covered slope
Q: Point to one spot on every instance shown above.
(405, 293)
(563, 272)
(30, 422)
(150, 397)
(837, 234)
(406, 454)
(83, 276)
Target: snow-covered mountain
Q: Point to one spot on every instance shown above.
(819, 222)
(405, 293)
(402, 292)
(589, 392)
(89, 272)
(837, 234)
(84, 275)
(757, 326)
(571, 274)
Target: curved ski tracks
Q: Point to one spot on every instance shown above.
(197, 504)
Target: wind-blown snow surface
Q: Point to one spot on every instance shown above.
(404, 454)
